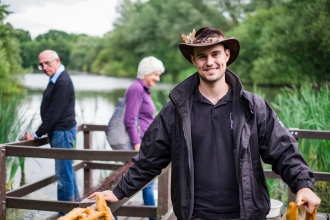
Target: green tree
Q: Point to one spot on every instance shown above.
(154, 28)
(59, 41)
(84, 53)
(286, 44)
(24, 38)
(22, 35)
(10, 61)
(237, 10)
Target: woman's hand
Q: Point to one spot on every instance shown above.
(108, 196)
(137, 147)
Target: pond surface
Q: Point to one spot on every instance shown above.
(96, 97)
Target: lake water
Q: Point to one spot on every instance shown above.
(96, 97)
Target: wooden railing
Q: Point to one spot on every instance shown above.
(12, 199)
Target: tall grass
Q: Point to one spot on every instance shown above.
(160, 98)
(307, 108)
(10, 126)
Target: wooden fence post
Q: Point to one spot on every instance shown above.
(88, 177)
(164, 194)
(3, 182)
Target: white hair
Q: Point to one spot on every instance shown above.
(52, 53)
(149, 65)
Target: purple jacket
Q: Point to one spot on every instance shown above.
(140, 108)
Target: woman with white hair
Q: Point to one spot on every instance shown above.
(140, 109)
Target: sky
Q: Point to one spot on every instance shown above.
(91, 17)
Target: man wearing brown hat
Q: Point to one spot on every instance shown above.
(214, 134)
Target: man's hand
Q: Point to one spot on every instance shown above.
(29, 136)
(108, 196)
(312, 201)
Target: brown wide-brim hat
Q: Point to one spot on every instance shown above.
(207, 36)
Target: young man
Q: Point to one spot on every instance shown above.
(214, 134)
(58, 121)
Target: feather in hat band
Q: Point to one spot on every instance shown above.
(191, 39)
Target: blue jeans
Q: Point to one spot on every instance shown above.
(67, 189)
(148, 196)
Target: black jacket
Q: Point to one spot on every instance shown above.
(57, 106)
(258, 133)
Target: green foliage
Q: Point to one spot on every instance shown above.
(84, 52)
(8, 117)
(307, 108)
(10, 126)
(10, 61)
(297, 108)
(238, 9)
(3, 11)
(22, 35)
(160, 98)
(285, 45)
(53, 35)
(282, 42)
(186, 73)
(153, 28)
(58, 41)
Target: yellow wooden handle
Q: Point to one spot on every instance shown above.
(292, 213)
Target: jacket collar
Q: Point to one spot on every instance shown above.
(184, 90)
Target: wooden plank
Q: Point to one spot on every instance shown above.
(137, 211)
(69, 154)
(36, 143)
(102, 166)
(91, 127)
(55, 206)
(310, 134)
(29, 188)
(169, 215)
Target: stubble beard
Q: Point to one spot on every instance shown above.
(211, 81)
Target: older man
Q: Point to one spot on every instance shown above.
(215, 133)
(58, 121)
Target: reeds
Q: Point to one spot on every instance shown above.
(308, 108)
(10, 126)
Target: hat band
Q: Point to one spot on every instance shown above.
(208, 39)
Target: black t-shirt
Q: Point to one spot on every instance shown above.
(216, 188)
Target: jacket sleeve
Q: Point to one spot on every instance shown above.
(280, 149)
(154, 155)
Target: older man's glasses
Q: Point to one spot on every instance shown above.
(47, 63)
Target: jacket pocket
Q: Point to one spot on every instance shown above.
(260, 193)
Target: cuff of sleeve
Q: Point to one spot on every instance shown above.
(35, 135)
(304, 184)
(118, 193)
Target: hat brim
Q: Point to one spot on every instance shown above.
(231, 43)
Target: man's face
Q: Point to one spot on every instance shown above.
(48, 63)
(151, 79)
(210, 62)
